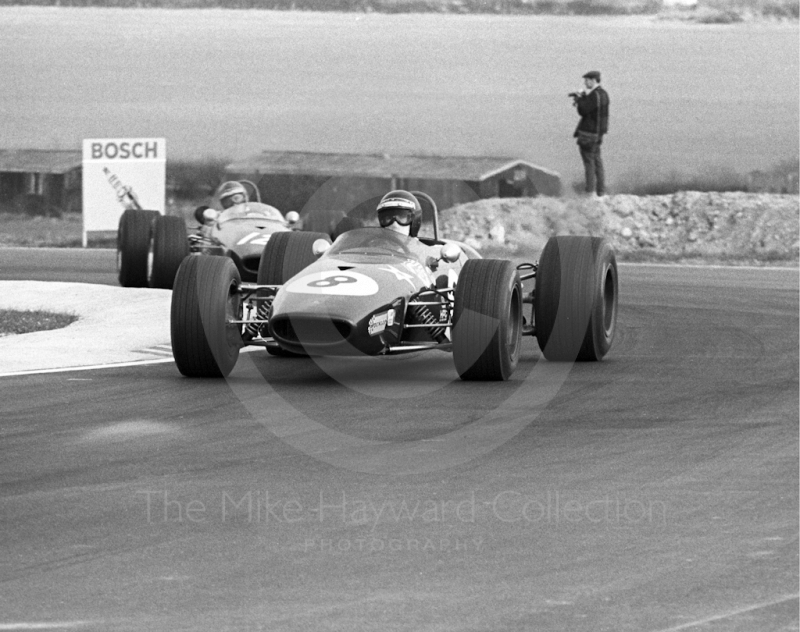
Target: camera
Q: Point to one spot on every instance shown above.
(575, 95)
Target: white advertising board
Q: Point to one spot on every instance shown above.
(118, 174)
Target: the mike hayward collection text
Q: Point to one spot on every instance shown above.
(549, 507)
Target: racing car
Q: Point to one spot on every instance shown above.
(151, 247)
(374, 292)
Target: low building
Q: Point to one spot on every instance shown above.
(352, 183)
(40, 181)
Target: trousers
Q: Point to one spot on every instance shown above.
(593, 168)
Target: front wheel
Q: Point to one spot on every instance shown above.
(575, 304)
(170, 246)
(487, 320)
(286, 254)
(204, 302)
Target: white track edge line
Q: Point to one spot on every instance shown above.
(700, 266)
(88, 367)
(95, 367)
(732, 613)
(43, 625)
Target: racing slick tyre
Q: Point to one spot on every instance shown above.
(204, 300)
(487, 320)
(575, 303)
(170, 246)
(284, 256)
(133, 247)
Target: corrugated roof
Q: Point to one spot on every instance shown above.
(39, 160)
(470, 168)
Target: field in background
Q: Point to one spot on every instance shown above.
(686, 98)
(703, 11)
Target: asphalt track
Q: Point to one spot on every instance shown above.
(655, 491)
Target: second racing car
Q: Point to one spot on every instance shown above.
(151, 247)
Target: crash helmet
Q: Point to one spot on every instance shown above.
(231, 193)
(401, 212)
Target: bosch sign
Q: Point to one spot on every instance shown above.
(139, 150)
(121, 174)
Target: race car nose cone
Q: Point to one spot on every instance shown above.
(320, 335)
(311, 330)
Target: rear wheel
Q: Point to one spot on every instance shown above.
(133, 247)
(204, 301)
(170, 246)
(487, 320)
(575, 304)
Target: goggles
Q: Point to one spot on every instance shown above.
(230, 200)
(402, 216)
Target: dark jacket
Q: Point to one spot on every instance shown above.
(593, 109)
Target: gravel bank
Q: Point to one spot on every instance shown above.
(710, 227)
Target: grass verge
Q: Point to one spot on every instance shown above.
(25, 322)
(20, 230)
(47, 232)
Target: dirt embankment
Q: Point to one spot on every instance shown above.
(712, 227)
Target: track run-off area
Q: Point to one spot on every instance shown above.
(656, 490)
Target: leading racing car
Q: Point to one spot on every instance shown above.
(151, 247)
(374, 292)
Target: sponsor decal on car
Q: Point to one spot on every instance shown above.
(334, 282)
(377, 324)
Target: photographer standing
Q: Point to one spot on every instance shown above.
(592, 104)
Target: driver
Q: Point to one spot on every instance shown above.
(400, 211)
(232, 193)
